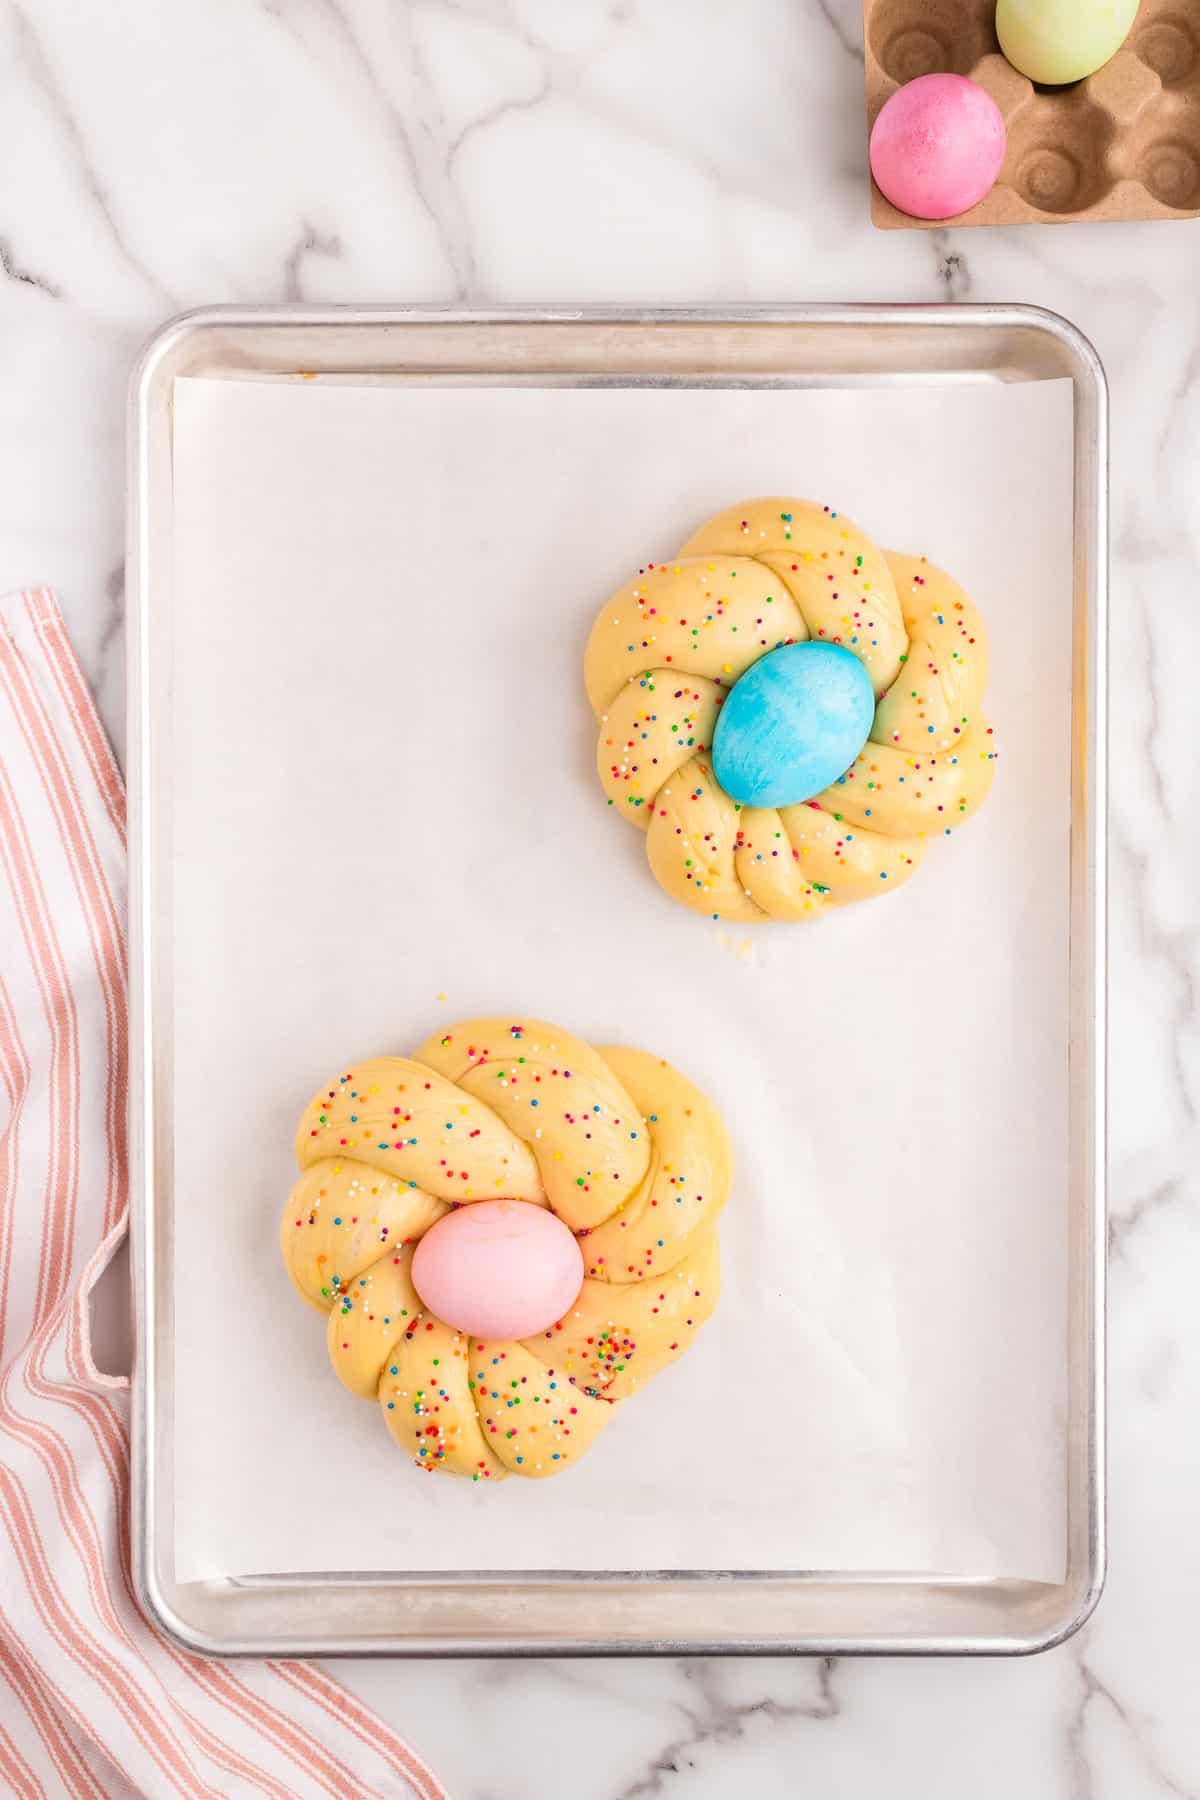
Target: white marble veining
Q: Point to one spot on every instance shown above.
(158, 157)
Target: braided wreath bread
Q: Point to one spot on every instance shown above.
(625, 1151)
(668, 647)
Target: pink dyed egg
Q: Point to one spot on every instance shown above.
(498, 1269)
(937, 146)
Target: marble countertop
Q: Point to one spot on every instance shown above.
(161, 157)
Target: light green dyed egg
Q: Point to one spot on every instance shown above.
(1056, 41)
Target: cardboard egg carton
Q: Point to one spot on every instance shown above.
(1123, 144)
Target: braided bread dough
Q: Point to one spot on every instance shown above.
(667, 648)
(617, 1143)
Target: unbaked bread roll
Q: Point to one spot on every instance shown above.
(619, 1145)
(668, 647)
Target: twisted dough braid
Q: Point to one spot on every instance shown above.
(629, 1155)
(667, 648)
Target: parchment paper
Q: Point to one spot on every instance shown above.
(387, 819)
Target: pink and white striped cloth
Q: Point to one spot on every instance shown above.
(94, 1701)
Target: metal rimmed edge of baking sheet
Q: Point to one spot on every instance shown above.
(589, 1614)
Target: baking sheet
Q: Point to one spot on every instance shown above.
(384, 795)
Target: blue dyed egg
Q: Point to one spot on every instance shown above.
(794, 722)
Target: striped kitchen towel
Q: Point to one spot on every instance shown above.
(93, 1699)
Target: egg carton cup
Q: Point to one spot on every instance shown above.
(1122, 144)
